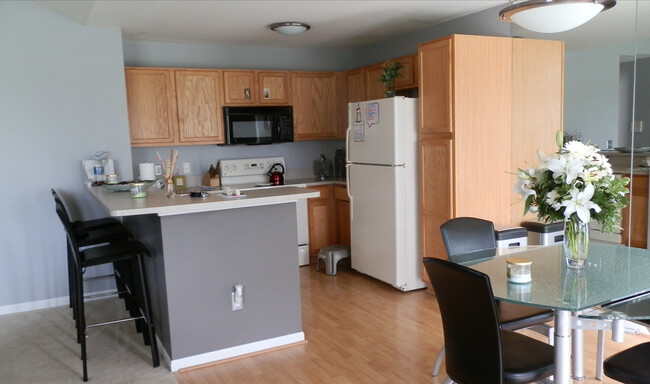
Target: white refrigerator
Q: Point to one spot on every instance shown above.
(382, 181)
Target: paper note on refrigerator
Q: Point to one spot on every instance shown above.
(372, 114)
(358, 131)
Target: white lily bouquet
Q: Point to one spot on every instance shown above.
(575, 185)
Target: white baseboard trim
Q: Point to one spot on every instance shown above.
(33, 305)
(48, 303)
(227, 353)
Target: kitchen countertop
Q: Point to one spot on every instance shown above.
(156, 202)
(314, 181)
(628, 170)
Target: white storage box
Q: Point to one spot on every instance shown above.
(544, 234)
(508, 237)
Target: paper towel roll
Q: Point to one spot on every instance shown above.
(147, 171)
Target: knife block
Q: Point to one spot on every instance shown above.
(210, 181)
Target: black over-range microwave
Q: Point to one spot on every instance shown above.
(258, 125)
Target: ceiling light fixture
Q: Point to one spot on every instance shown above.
(289, 27)
(552, 16)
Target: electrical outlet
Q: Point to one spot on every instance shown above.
(186, 168)
(237, 297)
(158, 169)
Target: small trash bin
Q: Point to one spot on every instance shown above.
(544, 234)
(508, 237)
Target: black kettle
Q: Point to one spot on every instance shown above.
(275, 177)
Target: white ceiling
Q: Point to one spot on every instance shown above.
(334, 24)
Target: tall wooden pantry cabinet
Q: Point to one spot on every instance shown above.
(487, 104)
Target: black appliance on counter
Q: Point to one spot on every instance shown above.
(339, 164)
(258, 125)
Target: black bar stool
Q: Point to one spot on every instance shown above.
(90, 233)
(127, 257)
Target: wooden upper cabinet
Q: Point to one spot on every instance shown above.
(408, 74)
(239, 87)
(200, 99)
(273, 87)
(435, 63)
(314, 105)
(356, 85)
(374, 88)
(256, 87)
(341, 114)
(151, 102)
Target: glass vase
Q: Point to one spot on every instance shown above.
(170, 188)
(576, 242)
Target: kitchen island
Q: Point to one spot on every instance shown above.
(201, 248)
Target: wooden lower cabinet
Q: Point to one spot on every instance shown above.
(320, 211)
(329, 218)
(636, 233)
(342, 205)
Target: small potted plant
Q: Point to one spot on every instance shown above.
(391, 72)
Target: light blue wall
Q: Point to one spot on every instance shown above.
(150, 54)
(62, 97)
(299, 155)
(598, 93)
(481, 23)
(591, 99)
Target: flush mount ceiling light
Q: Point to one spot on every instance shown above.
(552, 16)
(289, 27)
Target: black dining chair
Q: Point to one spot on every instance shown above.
(635, 309)
(463, 235)
(630, 366)
(478, 350)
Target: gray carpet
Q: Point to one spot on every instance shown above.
(40, 347)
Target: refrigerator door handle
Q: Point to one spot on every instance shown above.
(347, 142)
(348, 187)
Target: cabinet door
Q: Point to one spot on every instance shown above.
(435, 62)
(636, 235)
(341, 114)
(356, 85)
(239, 87)
(314, 105)
(408, 74)
(320, 215)
(436, 195)
(273, 87)
(151, 102)
(374, 88)
(537, 105)
(199, 98)
(342, 202)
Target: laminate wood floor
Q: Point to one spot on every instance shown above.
(360, 330)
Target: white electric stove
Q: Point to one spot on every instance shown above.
(247, 174)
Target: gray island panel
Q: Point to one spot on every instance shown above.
(200, 250)
(206, 254)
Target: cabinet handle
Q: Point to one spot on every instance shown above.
(247, 93)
